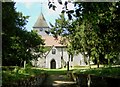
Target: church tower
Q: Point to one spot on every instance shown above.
(41, 25)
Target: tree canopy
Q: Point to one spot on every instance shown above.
(92, 29)
(17, 43)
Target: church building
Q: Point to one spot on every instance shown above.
(57, 56)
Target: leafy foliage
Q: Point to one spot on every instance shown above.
(18, 44)
(92, 30)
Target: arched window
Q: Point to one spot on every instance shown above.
(53, 51)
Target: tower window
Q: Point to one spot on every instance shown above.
(41, 29)
(53, 51)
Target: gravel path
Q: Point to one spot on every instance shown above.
(59, 81)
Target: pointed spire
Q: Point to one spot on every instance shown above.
(41, 22)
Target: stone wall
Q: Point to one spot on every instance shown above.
(35, 81)
(85, 80)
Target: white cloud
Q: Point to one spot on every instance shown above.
(28, 4)
(30, 0)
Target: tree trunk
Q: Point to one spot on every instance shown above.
(68, 66)
(98, 63)
(85, 58)
(89, 61)
(21, 62)
(24, 64)
(109, 62)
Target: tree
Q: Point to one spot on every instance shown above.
(18, 43)
(93, 28)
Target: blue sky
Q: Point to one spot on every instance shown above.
(32, 8)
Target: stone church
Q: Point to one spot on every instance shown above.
(57, 56)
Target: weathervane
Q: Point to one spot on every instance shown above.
(41, 7)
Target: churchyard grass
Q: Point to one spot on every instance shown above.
(13, 73)
(56, 71)
(102, 71)
(113, 71)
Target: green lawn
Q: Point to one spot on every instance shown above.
(102, 71)
(56, 71)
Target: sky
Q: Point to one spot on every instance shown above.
(32, 8)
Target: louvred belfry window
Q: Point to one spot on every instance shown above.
(41, 29)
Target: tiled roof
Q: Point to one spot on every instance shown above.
(41, 22)
(51, 41)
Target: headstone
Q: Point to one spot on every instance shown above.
(24, 64)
